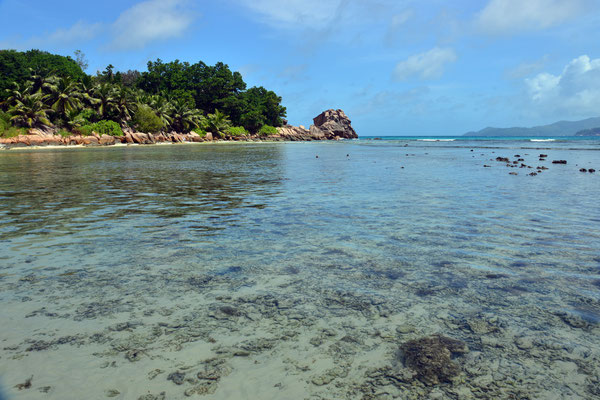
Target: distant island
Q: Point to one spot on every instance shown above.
(589, 132)
(586, 127)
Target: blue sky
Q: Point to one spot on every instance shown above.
(397, 67)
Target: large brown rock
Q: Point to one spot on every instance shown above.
(140, 138)
(194, 137)
(332, 124)
(289, 132)
(90, 140)
(106, 140)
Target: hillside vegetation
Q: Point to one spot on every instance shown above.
(52, 92)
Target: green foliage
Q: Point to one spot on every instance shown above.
(4, 119)
(214, 87)
(63, 133)
(7, 131)
(17, 67)
(184, 118)
(237, 131)
(85, 130)
(88, 115)
(146, 120)
(42, 89)
(30, 112)
(103, 127)
(267, 130)
(107, 127)
(262, 107)
(217, 123)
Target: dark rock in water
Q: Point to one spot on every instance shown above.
(134, 355)
(431, 358)
(230, 311)
(199, 281)
(149, 396)
(503, 159)
(513, 173)
(543, 155)
(559, 161)
(496, 276)
(25, 385)
(332, 124)
(177, 377)
(591, 170)
(582, 170)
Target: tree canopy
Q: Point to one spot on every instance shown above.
(17, 67)
(214, 88)
(42, 89)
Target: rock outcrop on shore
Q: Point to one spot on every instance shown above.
(333, 124)
(329, 125)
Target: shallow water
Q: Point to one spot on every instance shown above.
(128, 271)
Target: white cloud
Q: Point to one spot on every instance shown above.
(428, 65)
(527, 68)
(513, 16)
(80, 32)
(150, 21)
(316, 14)
(401, 18)
(573, 93)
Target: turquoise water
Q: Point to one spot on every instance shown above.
(331, 252)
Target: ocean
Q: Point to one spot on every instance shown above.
(304, 270)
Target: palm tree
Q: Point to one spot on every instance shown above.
(64, 96)
(87, 94)
(30, 112)
(217, 123)
(103, 96)
(124, 104)
(184, 118)
(74, 119)
(15, 94)
(41, 82)
(162, 108)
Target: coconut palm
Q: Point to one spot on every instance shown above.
(87, 94)
(185, 118)
(123, 105)
(30, 112)
(217, 123)
(162, 108)
(15, 94)
(41, 82)
(63, 96)
(103, 98)
(74, 119)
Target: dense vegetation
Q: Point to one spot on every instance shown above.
(42, 90)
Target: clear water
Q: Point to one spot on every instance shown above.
(329, 255)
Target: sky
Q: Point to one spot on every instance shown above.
(396, 67)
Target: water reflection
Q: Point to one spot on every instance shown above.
(68, 190)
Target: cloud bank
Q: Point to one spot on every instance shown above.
(575, 92)
(428, 65)
(505, 17)
(150, 21)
